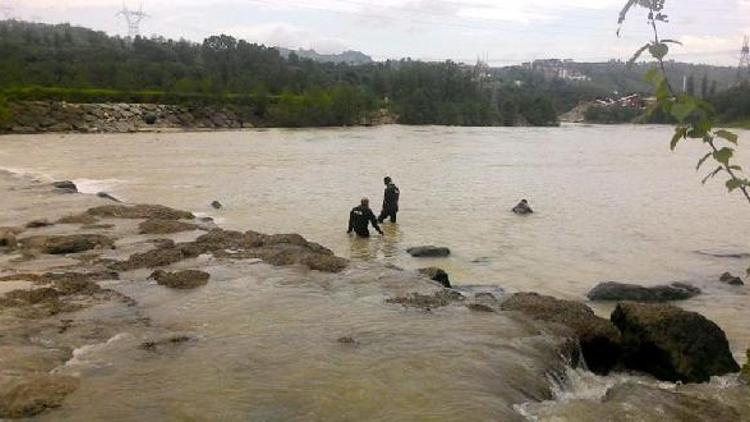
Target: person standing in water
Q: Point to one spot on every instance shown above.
(523, 208)
(390, 201)
(360, 218)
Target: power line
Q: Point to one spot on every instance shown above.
(133, 19)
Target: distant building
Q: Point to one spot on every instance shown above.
(557, 69)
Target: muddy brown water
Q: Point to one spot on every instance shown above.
(612, 203)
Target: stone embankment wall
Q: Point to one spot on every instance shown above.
(49, 116)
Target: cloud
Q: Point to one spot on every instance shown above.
(281, 34)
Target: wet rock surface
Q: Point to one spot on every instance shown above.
(728, 278)
(672, 344)
(161, 345)
(745, 373)
(66, 244)
(682, 407)
(428, 302)
(32, 396)
(188, 279)
(83, 219)
(599, 339)
(437, 274)
(279, 250)
(428, 251)
(614, 291)
(65, 185)
(36, 224)
(143, 211)
(105, 195)
(161, 226)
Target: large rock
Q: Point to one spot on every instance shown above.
(161, 226)
(34, 395)
(428, 302)
(437, 274)
(428, 251)
(598, 338)
(672, 344)
(74, 243)
(188, 279)
(65, 185)
(745, 374)
(7, 238)
(614, 291)
(140, 211)
(731, 280)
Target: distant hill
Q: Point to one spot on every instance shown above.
(617, 78)
(348, 56)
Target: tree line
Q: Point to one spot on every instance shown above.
(65, 62)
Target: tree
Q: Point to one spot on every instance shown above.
(690, 86)
(696, 118)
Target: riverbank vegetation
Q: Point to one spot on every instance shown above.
(64, 63)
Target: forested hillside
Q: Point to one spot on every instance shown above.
(62, 62)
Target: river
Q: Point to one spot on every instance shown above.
(611, 203)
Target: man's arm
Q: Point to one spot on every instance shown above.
(351, 222)
(374, 222)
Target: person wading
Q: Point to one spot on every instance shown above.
(360, 218)
(390, 201)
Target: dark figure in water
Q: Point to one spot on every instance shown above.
(360, 218)
(523, 208)
(390, 201)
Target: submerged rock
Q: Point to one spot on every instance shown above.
(217, 205)
(745, 374)
(428, 251)
(84, 219)
(7, 238)
(161, 226)
(158, 345)
(437, 300)
(65, 244)
(479, 307)
(667, 404)
(188, 279)
(105, 195)
(140, 211)
(32, 396)
(672, 344)
(36, 224)
(437, 274)
(599, 339)
(159, 257)
(731, 280)
(724, 253)
(614, 291)
(65, 186)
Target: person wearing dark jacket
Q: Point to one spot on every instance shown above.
(523, 208)
(360, 218)
(390, 201)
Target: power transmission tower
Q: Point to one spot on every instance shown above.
(743, 70)
(133, 19)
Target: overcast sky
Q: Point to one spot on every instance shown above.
(506, 32)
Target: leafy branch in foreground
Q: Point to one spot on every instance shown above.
(696, 118)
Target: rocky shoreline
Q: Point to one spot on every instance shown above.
(30, 117)
(64, 258)
(60, 117)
